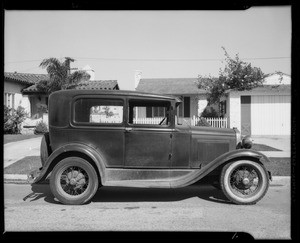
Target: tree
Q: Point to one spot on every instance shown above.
(237, 75)
(60, 76)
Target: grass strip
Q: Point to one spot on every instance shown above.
(8, 138)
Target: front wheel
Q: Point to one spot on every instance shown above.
(244, 181)
(73, 181)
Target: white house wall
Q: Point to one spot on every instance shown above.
(234, 110)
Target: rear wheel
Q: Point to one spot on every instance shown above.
(73, 181)
(244, 181)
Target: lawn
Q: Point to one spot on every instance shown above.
(24, 166)
(8, 138)
(280, 166)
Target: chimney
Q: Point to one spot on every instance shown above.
(137, 78)
(90, 71)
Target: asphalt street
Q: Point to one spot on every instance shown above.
(199, 207)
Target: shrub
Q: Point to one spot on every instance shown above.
(202, 122)
(210, 112)
(13, 119)
(41, 128)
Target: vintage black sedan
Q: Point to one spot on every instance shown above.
(132, 139)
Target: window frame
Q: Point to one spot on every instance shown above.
(133, 125)
(95, 124)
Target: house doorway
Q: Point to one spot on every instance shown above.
(186, 107)
(246, 115)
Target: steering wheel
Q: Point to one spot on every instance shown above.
(162, 121)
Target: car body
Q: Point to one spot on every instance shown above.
(97, 138)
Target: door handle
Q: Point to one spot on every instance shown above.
(128, 129)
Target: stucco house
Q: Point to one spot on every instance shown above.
(194, 99)
(20, 89)
(14, 85)
(264, 110)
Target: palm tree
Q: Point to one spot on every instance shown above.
(60, 76)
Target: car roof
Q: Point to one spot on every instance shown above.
(74, 92)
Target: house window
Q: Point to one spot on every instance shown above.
(9, 100)
(222, 107)
(155, 111)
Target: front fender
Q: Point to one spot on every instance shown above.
(72, 147)
(248, 153)
(222, 159)
(240, 154)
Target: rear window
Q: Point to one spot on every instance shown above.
(98, 111)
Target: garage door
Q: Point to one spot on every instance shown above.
(271, 115)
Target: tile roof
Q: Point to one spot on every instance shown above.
(92, 84)
(177, 86)
(25, 78)
(98, 84)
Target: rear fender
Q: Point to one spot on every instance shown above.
(88, 151)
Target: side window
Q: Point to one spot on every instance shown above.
(148, 112)
(98, 111)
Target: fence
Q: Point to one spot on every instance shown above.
(214, 122)
(151, 120)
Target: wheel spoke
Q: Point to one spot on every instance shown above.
(74, 180)
(244, 180)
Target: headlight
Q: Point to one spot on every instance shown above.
(247, 142)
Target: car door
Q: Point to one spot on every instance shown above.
(148, 134)
(98, 121)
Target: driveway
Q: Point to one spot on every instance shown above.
(17, 150)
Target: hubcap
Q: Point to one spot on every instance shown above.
(246, 181)
(74, 180)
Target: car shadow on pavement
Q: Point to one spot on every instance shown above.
(126, 194)
(41, 191)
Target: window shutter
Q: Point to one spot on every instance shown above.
(148, 111)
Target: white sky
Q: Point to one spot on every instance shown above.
(162, 44)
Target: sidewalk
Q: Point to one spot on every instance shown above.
(15, 151)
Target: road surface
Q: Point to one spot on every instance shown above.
(195, 208)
